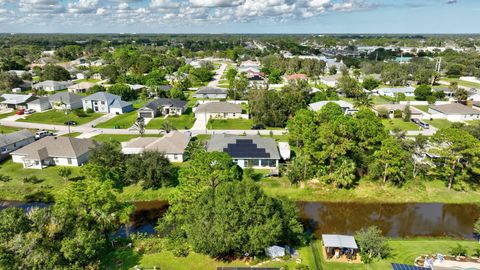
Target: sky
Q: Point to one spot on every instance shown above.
(240, 16)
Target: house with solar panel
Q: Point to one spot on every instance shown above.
(247, 151)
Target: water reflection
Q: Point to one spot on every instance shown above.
(395, 220)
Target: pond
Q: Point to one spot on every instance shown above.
(394, 219)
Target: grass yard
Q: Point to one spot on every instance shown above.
(16, 189)
(123, 121)
(423, 108)
(460, 82)
(6, 130)
(56, 117)
(433, 191)
(403, 251)
(166, 261)
(391, 124)
(72, 134)
(185, 121)
(230, 124)
(90, 80)
(119, 137)
(5, 115)
(439, 123)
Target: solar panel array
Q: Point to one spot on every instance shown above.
(245, 148)
(397, 266)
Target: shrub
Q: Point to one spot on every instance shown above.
(5, 178)
(32, 179)
(372, 244)
(89, 110)
(39, 196)
(382, 112)
(458, 250)
(397, 114)
(80, 113)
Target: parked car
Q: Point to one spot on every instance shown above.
(29, 111)
(42, 133)
(70, 123)
(259, 126)
(20, 112)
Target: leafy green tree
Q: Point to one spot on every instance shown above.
(177, 94)
(332, 70)
(461, 94)
(8, 81)
(343, 174)
(372, 244)
(96, 88)
(349, 86)
(231, 74)
(106, 162)
(275, 76)
(55, 73)
(391, 162)
(194, 147)
(111, 72)
(370, 83)
(69, 52)
(152, 169)
(439, 95)
(407, 114)
(298, 170)
(65, 173)
(363, 101)
(422, 92)
(122, 90)
(459, 154)
(394, 74)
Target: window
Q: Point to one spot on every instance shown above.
(102, 102)
(69, 161)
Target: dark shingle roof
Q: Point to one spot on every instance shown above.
(7, 139)
(211, 90)
(454, 108)
(161, 102)
(244, 146)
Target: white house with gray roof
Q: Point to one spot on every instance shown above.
(48, 151)
(104, 102)
(16, 101)
(454, 112)
(391, 92)
(211, 93)
(62, 100)
(40, 104)
(247, 151)
(13, 141)
(52, 85)
(163, 106)
(219, 110)
(171, 145)
(347, 107)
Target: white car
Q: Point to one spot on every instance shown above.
(42, 133)
(29, 111)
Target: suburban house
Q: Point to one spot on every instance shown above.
(391, 92)
(331, 80)
(66, 100)
(249, 66)
(17, 101)
(137, 87)
(80, 87)
(104, 102)
(163, 106)
(48, 151)
(391, 108)
(51, 85)
(97, 76)
(295, 77)
(454, 112)
(171, 145)
(13, 141)
(223, 110)
(40, 104)
(257, 79)
(210, 92)
(346, 106)
(247, 151)
(80, 76)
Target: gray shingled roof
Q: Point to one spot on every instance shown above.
(221, 142)
(219, 107)
(173, 143)
(454, 108)
(109, 98)
(339, 241)
(7, 139)
(65, 97)
(210, 90)
(40, 100)
(56, 147)
(16, 98)
(161, 102)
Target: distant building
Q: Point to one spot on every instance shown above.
(331, 80)
(247, 151)
(66, 100)
(391, 92)
(347, 107)
(103, 102)
(13, 141)
(64, 151)
(391, 108)
(210, 93)
(50, 86)
(16, 101)
(295, 77)
(171, 145)
(40, 104)
(82, 87)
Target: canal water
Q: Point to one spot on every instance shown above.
(394, 219)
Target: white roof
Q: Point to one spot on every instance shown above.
(339, 241)
(318, 105)
(285, 151)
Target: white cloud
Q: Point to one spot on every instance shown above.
(41, 6)
(83, 6)
(164, 4)
(216, 3)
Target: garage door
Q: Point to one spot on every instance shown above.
(146, 114)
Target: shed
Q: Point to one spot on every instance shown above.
(339, 241)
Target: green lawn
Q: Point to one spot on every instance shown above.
(72, 134)
(439, 123)
(230, 124)
(87, 80)
(5, 115)
(16, 189)
(185, 121)
(391, 124)
(123, 121)
(404, 251)
(423, 108)
(460, 82)
(5, 129)
(56, 117)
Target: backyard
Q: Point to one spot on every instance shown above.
(439, 123)
(56, 117)
(184, 121)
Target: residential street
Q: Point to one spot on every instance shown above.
(218, 76)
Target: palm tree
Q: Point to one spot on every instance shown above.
(363, 101)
